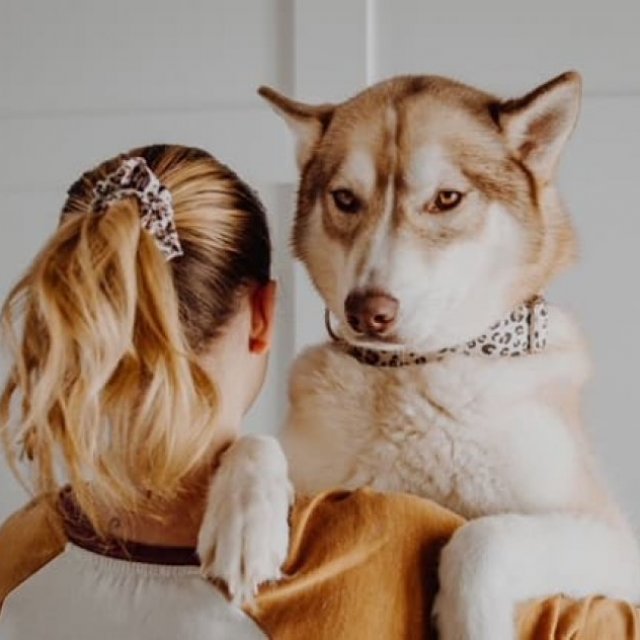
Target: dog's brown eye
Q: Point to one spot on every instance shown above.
(445, 200)
(346, 200)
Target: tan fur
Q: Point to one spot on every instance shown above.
(391, 121)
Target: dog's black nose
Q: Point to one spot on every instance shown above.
(371, 312)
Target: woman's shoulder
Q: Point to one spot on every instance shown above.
(29, 539)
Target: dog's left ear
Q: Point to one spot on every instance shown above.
(307, 122)
(538, 125)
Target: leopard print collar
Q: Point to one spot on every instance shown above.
(522, 332)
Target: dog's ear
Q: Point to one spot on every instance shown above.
(307, 122)
(538, 125)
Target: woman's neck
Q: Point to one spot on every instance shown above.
(178, 524)
(175, 526)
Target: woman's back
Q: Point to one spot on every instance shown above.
(103, 598)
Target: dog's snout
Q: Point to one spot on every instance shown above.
(373, 313)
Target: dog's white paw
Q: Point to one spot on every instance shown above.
(474, 601)
(244, 536)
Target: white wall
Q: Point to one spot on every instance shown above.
(81, 80)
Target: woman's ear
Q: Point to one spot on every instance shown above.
(263, 316)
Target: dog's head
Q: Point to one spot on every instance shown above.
(427, 209)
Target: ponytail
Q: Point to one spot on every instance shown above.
(102, 366)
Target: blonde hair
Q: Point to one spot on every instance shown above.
(104, 334)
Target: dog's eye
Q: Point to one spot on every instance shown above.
(346, 200)
(445, 200)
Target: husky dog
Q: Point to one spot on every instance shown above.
(429, 221)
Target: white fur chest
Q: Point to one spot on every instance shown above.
(474, 434)
(432, 438)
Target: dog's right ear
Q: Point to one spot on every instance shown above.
(307, 122)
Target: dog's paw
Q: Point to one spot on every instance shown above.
(474, 600)
(244, 536)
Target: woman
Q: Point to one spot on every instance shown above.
(140, 337)
(146, 321)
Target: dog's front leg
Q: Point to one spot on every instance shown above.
(244, 536)
(493, 563)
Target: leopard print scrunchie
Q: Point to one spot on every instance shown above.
(134, 178)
